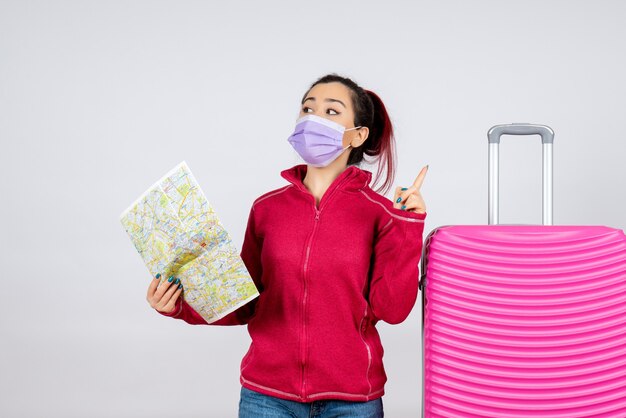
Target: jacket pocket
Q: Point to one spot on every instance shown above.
(363, 327)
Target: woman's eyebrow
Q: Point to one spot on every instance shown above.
(326, 100)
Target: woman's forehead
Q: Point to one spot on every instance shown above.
(332, 90)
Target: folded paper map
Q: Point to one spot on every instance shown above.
(177, 233)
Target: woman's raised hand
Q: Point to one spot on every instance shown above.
(163, 298)
(410, 198)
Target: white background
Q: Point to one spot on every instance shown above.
(99, 99)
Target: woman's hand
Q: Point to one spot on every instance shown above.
(410, 198)
(163, 298)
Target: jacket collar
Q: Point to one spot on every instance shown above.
(352, 178)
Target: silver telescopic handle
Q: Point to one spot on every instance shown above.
(547, 139)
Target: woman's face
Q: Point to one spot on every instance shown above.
(332, 101)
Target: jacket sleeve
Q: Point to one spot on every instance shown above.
(251, 256)
(394, 275)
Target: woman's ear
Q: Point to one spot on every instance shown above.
(362, 135)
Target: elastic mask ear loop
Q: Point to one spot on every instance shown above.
(356, 127)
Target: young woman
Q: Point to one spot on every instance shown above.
(330, 258)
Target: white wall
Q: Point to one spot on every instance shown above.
(99, 99)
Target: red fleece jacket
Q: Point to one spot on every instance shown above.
(326, 275)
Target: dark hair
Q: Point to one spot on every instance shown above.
(369, 111)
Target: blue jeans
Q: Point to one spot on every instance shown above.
(258, 405)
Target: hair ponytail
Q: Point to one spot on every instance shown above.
(381, 142)
(369, 111)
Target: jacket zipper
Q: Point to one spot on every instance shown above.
(306, 261)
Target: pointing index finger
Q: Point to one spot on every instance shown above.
(419, 180)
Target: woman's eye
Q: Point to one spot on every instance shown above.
(306, 108)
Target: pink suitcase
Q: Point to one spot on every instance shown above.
(523, 320)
